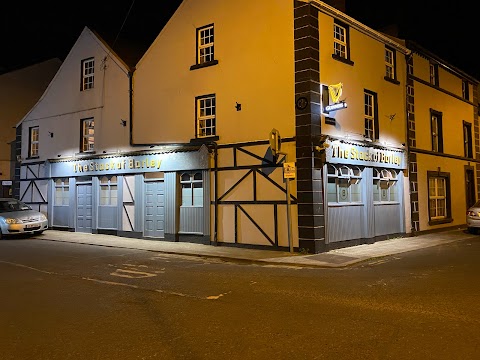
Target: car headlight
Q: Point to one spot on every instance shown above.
(43, 217)
(13, 221)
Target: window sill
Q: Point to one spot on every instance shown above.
(341, 59)
(207, 64)
(204, 140)
(33, 158)
(336, 204)
(393, 81)
(442, 221)
(85, 153)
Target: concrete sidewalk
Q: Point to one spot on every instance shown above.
(331, 259)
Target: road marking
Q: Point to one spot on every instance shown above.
(132, 274)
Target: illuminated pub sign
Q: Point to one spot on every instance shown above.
(331, 98)
(187, 160)
(345, 153)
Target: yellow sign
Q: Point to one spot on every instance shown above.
(289, 170)
(335, 91)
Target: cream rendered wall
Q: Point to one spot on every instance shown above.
(453, 110)
(254, 47)
(63, 105)
(368, 71)
(457, 188)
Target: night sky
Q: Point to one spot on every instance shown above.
(35, 31)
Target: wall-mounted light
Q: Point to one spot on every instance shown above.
(123, 122)
(19, 158)
(238, 106)
(50, 134)
(59, 155)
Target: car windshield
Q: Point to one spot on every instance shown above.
(476, 205)
(13, 205)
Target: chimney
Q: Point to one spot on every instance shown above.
(337, 4)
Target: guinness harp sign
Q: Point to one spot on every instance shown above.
(331, 98)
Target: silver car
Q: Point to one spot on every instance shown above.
(473, 217)
(18, 218)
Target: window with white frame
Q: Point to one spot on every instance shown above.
(108, 191)
(370, 115)
(34, 141)
(434, 74)
(465, 90)
(438, 197)
(340, 41)
(62, 189)
(206, 116)
(385, 185)
(344, 184)
(205, 51)
(467, 139)
(88, 135)
(88, 73)
(389, 64)
(192, 189)
(436, 131)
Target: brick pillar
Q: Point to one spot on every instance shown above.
(311, 219)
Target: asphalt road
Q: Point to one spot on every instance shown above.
(72, 301)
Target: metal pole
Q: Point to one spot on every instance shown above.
(289, 217)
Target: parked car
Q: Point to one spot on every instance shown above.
(473, 218)
(18, 218)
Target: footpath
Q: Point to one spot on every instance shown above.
(331, 259)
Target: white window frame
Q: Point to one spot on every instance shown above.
(436, 198)
(192, 189)
(340, 40)
(206, 116)
(88, 135)
(369, 114)
(385, 186)
(346, 179)
(34, 141)
(108, 191)
(389, 63)
(434, 123)
(88, 73)
(433, 74)
(205, 41)
(62, 190)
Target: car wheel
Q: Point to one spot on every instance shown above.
(472, 230)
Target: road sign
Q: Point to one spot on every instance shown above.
(289, 170)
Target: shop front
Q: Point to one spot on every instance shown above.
(364, 192)
(158, 195)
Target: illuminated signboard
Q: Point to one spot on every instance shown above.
(331, 98)
(344, 153)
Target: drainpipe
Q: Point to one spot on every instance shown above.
(215, 192)
(130, 105)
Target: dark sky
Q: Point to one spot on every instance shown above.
(32, 31)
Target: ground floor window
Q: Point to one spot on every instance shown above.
(344, 184)
(438, 197)
(192, 189)
(385, 187)
(108, 191)
(62, 192)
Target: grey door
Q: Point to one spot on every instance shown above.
(154, 219)
(84, 208)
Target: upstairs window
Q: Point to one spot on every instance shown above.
(205, 48)
(62, 189)
(436, 131)
(467, 139)
(33, 139)
(206, 116)
(192, 189)
(88, 135)
(88, 70)
(108, 191)
(434, 74)
(341, 39)
(465, 90)
(371, 116)
(390, 65)
(344, 184)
